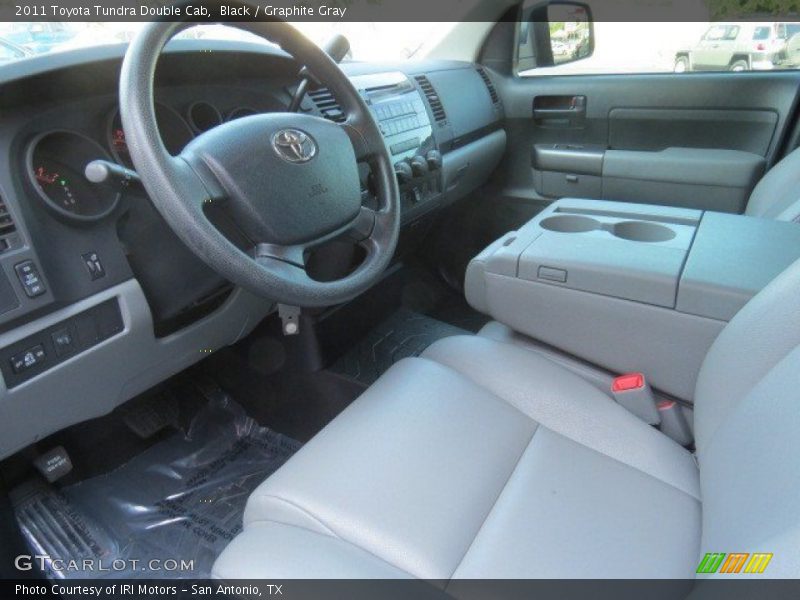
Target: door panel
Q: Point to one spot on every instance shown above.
(674, 125)
(719, 180)
(659, 128)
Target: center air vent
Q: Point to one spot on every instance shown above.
(489, 85)
(327, 105)
(433, 98)
(7, 226)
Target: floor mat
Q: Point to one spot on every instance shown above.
(406, 333)
(460, 314)
(428, 294)
(182, 499)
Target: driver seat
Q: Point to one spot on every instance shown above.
(481, 459)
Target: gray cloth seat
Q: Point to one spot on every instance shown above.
(777, 194)
(481, 459)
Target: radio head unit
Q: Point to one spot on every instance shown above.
(402, 115)
(400, 111)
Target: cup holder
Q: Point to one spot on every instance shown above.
(634, 231)
(569, 224)
(642, 231)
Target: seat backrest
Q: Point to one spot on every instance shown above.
(747, 425)
(777, 195)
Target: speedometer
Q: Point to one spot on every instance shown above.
(56, 162)
(175, 133)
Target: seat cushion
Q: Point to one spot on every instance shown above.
(477, 459)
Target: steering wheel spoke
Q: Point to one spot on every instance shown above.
(199, 187)
(362, 226)
(294, 255)
(358, 129)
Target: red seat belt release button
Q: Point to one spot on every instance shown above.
(632, 391)
(627, 382)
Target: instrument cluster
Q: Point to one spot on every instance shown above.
(56, 160)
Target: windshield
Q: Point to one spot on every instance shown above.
(368, 41)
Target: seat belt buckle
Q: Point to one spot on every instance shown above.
(632, 391)
(674, 423)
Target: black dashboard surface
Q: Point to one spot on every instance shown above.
(198, 84)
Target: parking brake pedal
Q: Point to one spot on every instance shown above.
(53, 465)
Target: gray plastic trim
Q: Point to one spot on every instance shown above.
(569, 158)
(732, 259)
(623, 305)
(465, 168)
(557, 184)
(619, 335)
(101, 378)
(704, 178)
(615, 308)
(690, 195)
(608, 252)
(649, 128)
(699, 166)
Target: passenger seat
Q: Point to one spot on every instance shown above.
(777, 195)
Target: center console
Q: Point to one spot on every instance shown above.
(442, 128)
(399, 109)
(630, 287)
(401, 114)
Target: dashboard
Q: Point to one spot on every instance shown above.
(99, 300)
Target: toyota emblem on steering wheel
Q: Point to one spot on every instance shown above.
(294, 146)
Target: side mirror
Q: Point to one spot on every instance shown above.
(571, 32)
(554, 33)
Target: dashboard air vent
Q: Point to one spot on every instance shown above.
(432, 97)
(7, 226)
(327, 105)
(489, 85)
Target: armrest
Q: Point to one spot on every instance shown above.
(569, 158)
(698, 166)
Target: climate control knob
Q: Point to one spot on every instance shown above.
(434, 160)
(403, 171)
(419, 166)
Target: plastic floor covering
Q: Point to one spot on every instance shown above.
(182, 499)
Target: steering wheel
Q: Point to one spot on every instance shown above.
(288, 181)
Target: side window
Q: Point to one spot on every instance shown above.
(790, 30)
(715, 33)
(761, 33)
(606, 47)
(732, 33)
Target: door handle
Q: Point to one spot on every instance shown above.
(559, 111)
